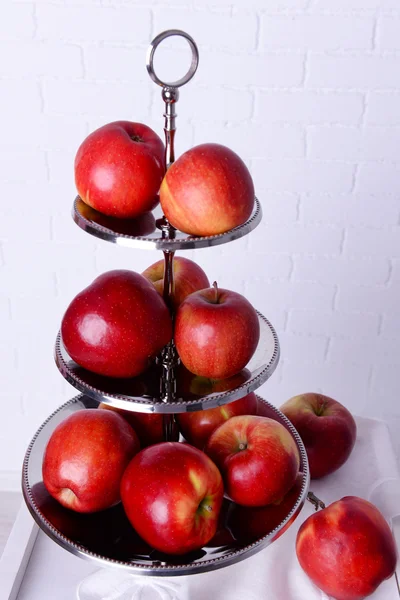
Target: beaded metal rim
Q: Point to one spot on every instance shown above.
(164, 569)
(144, 404)
(159, 243)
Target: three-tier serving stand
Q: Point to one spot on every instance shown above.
(166, 387)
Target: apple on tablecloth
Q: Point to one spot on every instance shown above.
(116, 325)
(86, 457)
(258, 458)
(172, 494)
(216, 332)
(207, 191)
(188, 277)
(119, 169)
(327, 428)
(347, 549)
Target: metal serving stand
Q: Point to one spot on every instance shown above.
(167, 387)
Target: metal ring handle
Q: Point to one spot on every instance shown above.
(150, 57)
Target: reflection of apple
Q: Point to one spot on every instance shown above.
(216, 332)
(197, 426)
(207, 191)
(140, 226)
(248, 524)
(188, 277)
(85, 458)
(116, 325)
(347, 549)
(189, 384)
(222, 537)
(258, 459)
(119, 168)
(149, 427)
(327, 429)
(172, 494)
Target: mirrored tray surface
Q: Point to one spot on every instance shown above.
(108, 539)
(145, 232)
(143, 393)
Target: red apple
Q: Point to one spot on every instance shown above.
(196, 427)
(248, 524)
(188, 278)
(172, 494)
(327, 429)
(216, 332)
(347, 549)
(258, 459)
(149, 427)
(86, 457)
(119, 169)
(207, 191)
(116, 325)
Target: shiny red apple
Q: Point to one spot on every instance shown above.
(258, 459)
(327, 429)
(207, 191)
(188, 277)
(248, 524)
(216, 332)
(196, 427)
(172, 494)
(86, 457)
(117, 325)
(149, 427)
(119, 169)
(347, 549)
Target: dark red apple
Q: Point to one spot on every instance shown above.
(216, 332)
(172, 494)
(347, 549)
(188, 278)
(248, 524)
(196, 427)
(149, 427)
(327, 429)
(119, 169)
(86, 457)
(117, 325)
(258, 459)
(207, 191)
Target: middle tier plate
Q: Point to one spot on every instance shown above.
(143, 393)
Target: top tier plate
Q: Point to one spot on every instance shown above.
(145, 231)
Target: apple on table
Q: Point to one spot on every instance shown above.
(258, 458)
(172, 495)
(216, 332)
(347, 549)
(327, 429)
(116, 325)
(119, 169)
(208, 190)
(188, 277)
(85, 459)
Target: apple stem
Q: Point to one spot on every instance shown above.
(215, 286)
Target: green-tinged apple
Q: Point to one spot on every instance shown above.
(196, 427)
(117, 325)
(172, 494)
(327, 429)
(119, 169)
(248, 524)
(86, 457)
(207, 191)
(258, 459)
(347, 549)
(149, 427)
(216, 332)
(188, 277)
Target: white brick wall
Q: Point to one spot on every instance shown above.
(306, 91)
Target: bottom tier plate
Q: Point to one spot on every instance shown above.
(108, 538)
